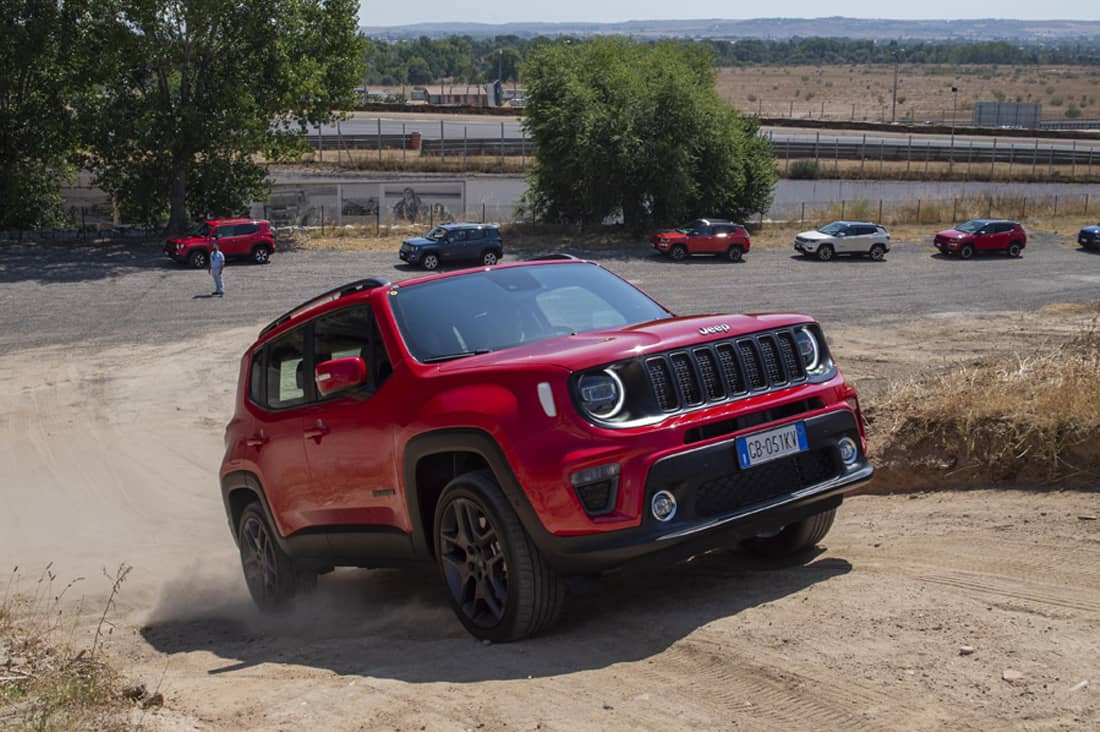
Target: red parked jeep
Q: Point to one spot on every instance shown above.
(522, 423)
(982, 235)
(704, 236)
(250, 238)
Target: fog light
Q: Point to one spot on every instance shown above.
(849, 452)
(663, 506)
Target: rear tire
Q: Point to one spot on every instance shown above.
(878, 252)
(678, 252)
(794, 538)
(1014, 249)
(825, 252)
(198, 259)
(430, 261)
(261, 254)
(735, 253)
(966, 251)
(273, 578)
(498, 583)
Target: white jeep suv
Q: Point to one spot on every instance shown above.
(844, 237)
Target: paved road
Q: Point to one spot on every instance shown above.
(56, 295)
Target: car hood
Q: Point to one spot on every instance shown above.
(954, 234)
(813, 234)
(187, 240)
(418, 241)
(595, 348)
(1091, 229)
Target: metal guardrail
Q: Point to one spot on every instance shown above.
(935, 152)
(1075, 124)
(484, 147)
(365, 141)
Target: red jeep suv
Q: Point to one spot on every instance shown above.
(250, 238)
(704, 236)
(982, 235)
(518, 424)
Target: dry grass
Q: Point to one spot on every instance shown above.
(46, 683)
(1031, 419)
(865, 92)
(961, 170)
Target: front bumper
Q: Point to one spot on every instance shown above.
(1088, 240)
(662, 246)
(176, 255)
(805, 246)
(410, 256)
(946, 247)
(719, 503)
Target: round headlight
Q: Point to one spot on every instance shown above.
(601, 394)
(808, 350)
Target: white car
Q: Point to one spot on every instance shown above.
(844, 237)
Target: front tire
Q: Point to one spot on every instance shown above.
(198, 259)
(794, 538)
(498, 583)
(273, 578)
(678, 253)
(489, 258)
(825, 252)
(966, 251)
(430, 262)
(735, 253)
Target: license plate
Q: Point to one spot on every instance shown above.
(771, 445)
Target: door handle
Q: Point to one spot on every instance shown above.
(257, 440)
(317, 431)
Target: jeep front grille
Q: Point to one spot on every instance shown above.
(722, 370)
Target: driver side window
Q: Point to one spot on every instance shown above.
(352, 332)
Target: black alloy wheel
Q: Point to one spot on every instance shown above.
(499, 585)
(966, 251)
(272, 577)
(473, 562)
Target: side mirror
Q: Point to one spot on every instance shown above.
(339, 374)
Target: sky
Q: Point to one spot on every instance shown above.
(506, 11)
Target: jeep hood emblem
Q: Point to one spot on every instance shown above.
(712, 329)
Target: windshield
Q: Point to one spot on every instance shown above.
(436, 234)
(495, 309)
(834, 228)
(200, 230)
(970, 226)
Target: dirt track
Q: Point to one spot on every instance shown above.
(111, 455)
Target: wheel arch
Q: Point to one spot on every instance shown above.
(239, 489)
(431, 460)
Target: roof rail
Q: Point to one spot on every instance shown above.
(551, 257)
(334, 294)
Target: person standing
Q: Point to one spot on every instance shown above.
(215, 267)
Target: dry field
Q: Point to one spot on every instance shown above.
(864, 92)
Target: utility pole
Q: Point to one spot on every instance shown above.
(894, 104)
(954, 108)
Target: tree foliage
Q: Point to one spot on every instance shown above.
(194, 89)
(40, 87)
(637, 130)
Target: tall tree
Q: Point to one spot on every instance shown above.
(196, 89)
(638, 130)
(39, 91)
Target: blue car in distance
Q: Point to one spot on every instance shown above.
(448, 243)
(1089, 237)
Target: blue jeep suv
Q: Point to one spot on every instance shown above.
(454, 243)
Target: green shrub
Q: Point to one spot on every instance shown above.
(804, 170)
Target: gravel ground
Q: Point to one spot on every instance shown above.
(119, 294)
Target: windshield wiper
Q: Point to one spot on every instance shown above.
(453, 356)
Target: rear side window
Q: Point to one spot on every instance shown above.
(863, 230)
(242, 229)
(475, 234)
(256, 377)
(286, 377)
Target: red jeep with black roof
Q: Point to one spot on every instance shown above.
(519, 424)
(250, 238)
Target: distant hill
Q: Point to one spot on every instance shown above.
(987, 29)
